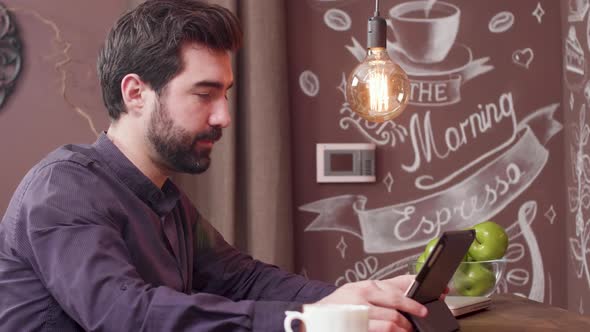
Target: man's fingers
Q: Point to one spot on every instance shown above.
(390, 315)
(403, 281)
(383, 295)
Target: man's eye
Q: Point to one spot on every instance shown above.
(204, 95)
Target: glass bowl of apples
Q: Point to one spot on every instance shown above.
(472, 278)
(482, 267)
(477, 278)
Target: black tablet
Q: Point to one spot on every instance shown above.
(439, 267)
(431, 281)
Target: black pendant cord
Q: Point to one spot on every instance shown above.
(377, 30)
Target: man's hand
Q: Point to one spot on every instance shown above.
(385, 298)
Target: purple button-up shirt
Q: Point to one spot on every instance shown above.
(89, 243)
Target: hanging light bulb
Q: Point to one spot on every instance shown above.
(377, 89)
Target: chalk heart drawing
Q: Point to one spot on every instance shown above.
(523, 57)
(425, 47)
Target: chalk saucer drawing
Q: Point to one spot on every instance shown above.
(458, 59)
(337, 19)
(501, 22)
(309, 83)
(523, 57)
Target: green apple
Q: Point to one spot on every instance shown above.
(420, 262)
(427, 251)
(429, 247)
(490, 242)
(474, 279)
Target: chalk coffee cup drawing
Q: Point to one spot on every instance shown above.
(425, 36)
(330, 317)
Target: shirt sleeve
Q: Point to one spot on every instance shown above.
(80, 256)
(222, 269)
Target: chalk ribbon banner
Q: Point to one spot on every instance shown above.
(478, 197)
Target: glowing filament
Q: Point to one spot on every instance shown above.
(378, 91)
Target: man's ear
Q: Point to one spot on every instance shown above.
(133, 91)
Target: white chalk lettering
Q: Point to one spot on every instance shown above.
(362, 270)
(426, 149)
(429, 91)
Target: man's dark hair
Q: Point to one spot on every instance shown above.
(147, 41)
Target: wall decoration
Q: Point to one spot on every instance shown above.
(10, 54)
(482, 138)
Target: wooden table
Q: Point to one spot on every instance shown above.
(513, 313)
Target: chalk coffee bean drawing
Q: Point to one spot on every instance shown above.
(517, 277)
(523, 57)
(309, 83)
(501, 22)
(337, 20)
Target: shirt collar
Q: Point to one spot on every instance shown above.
(162, 201)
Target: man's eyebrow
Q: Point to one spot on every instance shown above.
(212, 84)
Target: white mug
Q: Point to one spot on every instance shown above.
(330, 317)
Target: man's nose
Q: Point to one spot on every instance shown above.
(220, 116)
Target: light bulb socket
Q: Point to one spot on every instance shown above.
(377, 32)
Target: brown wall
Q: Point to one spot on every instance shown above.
(60, 40)
(502, 58)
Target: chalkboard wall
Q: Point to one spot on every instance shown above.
(576, 96)
(496, 130)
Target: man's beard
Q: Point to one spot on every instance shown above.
(177, 149)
